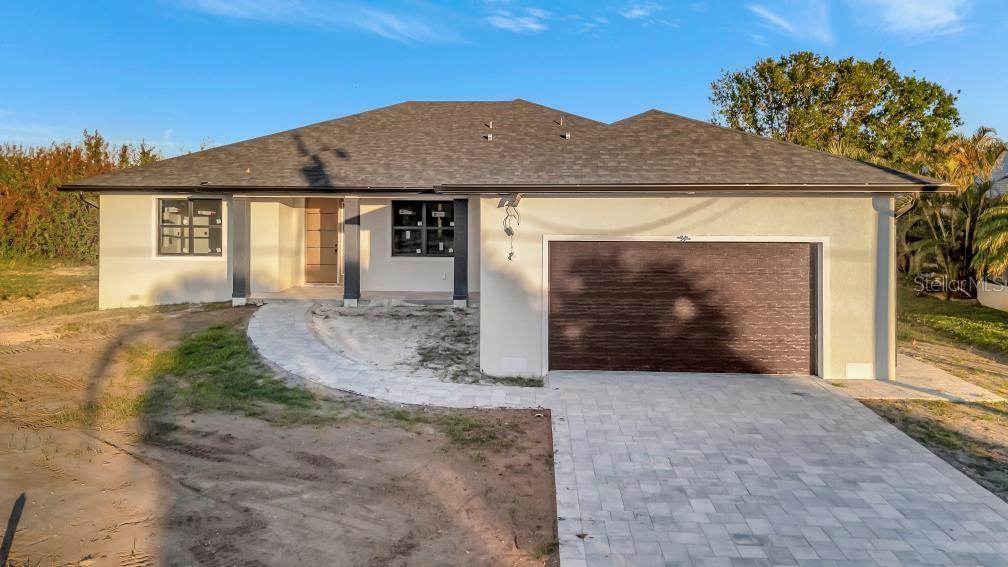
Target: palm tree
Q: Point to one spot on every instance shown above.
(942, 230)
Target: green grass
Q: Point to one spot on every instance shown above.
(31, 279)
(547, 549)
(216, 369)
(963, 323)
(461, 430)
(212, 370)
(109, 410)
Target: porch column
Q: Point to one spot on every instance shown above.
(240, 250)
(351, 252)
(460, 295)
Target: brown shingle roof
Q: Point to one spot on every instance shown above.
(444, 146)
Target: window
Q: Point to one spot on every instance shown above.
(190, 227)
(423, 228)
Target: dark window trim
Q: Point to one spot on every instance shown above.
(423, 228)
(187, 228)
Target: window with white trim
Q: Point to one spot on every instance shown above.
(423, 228)
(190, 227)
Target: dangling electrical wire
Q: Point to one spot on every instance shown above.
(511, 220)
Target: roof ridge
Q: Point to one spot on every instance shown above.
(561, 111)
(791, 145)
(429, 143)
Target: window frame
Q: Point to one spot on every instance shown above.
(187, 227)
(423, 228)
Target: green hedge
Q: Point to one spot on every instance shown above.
(38, 222)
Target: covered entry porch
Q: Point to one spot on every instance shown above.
(395, 249)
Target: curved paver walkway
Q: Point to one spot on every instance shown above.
(708, 469)
(282, 333)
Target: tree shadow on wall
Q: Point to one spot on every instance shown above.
(630, 308)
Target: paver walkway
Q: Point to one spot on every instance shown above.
(708, 469)
(918, 380)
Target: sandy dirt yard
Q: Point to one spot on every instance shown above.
(113, 474)
(431, 342)
(434, 342)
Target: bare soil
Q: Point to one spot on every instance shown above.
(432, 342)
(375, 485)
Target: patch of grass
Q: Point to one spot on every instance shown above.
(32, 279)
(73, 307)
(521, 381)
(469, 432)
(94, 328)
(216, 369)
(944, 428)
(547, 549)
(964, 323)
(111, 409)
(460, 429)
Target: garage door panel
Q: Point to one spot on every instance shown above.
(672, 306)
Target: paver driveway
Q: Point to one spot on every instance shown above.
(708, 469)
(728, 470)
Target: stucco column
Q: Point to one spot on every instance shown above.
(460, 294)
(351, 251)
(885, 287)
(241, 222)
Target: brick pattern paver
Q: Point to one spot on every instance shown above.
(757, 470)
(708, 469)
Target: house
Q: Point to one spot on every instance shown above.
(656, 243)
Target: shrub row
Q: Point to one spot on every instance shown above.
(38, 222)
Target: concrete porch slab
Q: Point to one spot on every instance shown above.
(368, 298)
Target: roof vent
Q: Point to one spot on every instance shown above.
(566, 135)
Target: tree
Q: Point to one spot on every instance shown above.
(39, 222)
(958, 235)
(866, 107)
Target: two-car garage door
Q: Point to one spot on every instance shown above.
(683, 306)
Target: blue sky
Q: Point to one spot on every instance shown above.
(177, 73)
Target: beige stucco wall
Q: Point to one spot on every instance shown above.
(132, 274)
(858, 285)
(380, 271)
(993, 295)
(277, 244)
(129, 270)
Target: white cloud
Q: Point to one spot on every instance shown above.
(530, 20)
(318, 13)
(590, 24)
(640, 11)
(808, 19)
(919, 16)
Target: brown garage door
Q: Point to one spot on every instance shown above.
(682, 306)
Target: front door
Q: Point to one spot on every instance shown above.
(322, 228)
